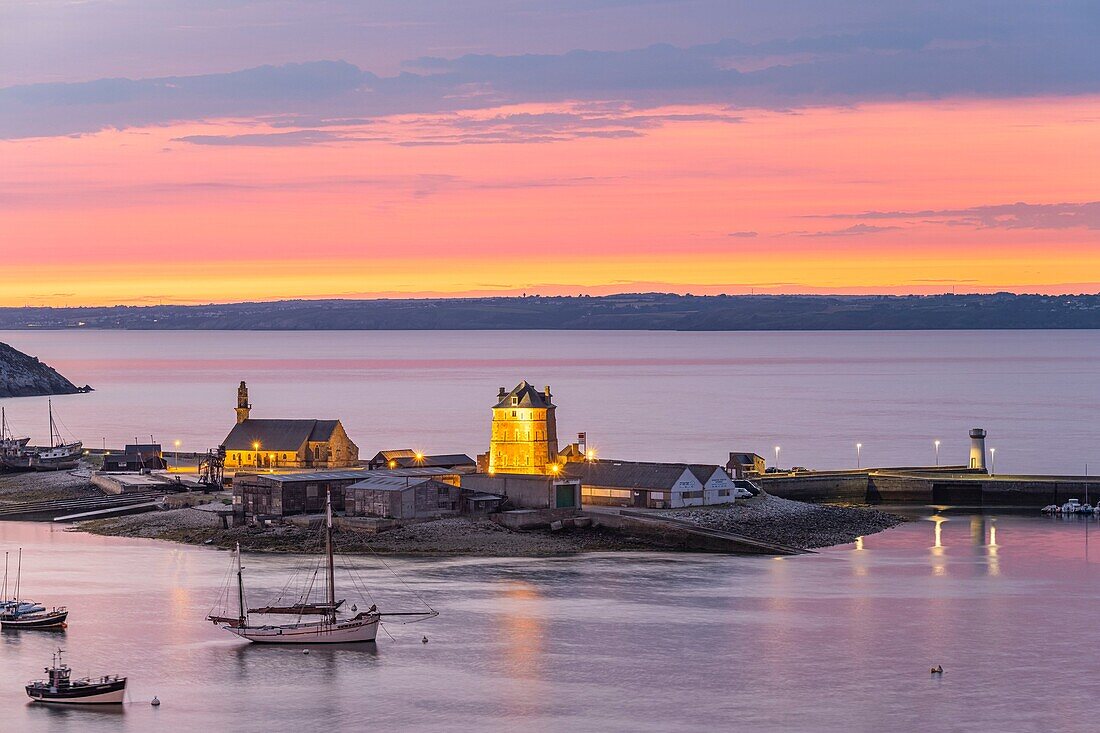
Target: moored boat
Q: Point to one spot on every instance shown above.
(20, 614)
(53, 619)
(1071, 507)
(332, 628)
(60, 688)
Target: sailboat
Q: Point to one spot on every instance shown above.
(334, 627)
(9, 443)
(59, 456)
(28, 615)
(13, 604)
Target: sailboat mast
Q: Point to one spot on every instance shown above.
(18, 573)
(331, 590)
(4, 593)
(53, 429)
(240, 589)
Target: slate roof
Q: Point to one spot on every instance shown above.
(637, 474)
(279, 435)
(445, 461)
(347, 473)
(394, 483)
(528, 397)
(384, 456)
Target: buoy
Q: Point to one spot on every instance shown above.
(424, 640)
(305, 651)
(154, 702)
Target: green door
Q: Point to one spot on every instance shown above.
(564, 497)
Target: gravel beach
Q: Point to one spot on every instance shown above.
(794, 523)
(22, 487)
(450, 536)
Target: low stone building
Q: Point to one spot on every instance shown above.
(135, 457)
(651, 485)
(284, 494)
(402, 497)
(281, 444)
(527, 491)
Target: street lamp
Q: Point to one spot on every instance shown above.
(177, 443)
(937, 444)
(256, 447)
(992, 461)
(777, 458)
(859, 447)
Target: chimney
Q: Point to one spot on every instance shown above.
(547, 393)
(502, 394)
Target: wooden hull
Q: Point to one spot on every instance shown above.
(342, 632)
(80, 693)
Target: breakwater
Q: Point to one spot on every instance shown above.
(952, 486)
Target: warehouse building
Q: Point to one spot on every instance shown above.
(651, 485)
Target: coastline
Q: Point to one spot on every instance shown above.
(768, 518)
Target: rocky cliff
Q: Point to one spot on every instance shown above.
(24, 376)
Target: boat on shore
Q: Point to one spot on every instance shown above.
(9, 442)
(334, 627)
(60, 688)
(58, 456)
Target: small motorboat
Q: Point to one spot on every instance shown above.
(60, 688)
(1050, 509)
(1071, 507)
(1085, 509)
(54, 619)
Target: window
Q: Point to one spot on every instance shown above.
(515, 401)
(513, 413)
(692, 494)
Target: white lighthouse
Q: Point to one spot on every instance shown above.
(977, 448)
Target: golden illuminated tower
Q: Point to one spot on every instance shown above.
(243, 408)
(525, 432)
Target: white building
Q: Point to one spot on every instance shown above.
(651, 485)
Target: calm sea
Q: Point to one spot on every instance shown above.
(838, 641)
(638, 395)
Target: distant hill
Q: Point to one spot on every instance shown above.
(25, 376)
(645, 311)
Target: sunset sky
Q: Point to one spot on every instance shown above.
(183, 151)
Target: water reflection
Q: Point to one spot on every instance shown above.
(939, 564)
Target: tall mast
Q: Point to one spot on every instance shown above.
(53, 428)
(18, 575)
(331, 590)
(242, 618)
(4, 593)
(3, 423)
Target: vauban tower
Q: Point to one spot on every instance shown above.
(525, 432)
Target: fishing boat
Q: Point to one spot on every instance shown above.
(58, 456)
(60, 688)
(9, 443)
(335, 625)
(19, 614)
(52, 619)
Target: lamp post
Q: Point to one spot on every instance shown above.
(992, 461)
(859, 447)
(777, 458)
(177, 444)
(256, 447)
(937, 444)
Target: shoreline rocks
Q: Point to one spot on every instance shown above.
(22, 375)
(798, 524)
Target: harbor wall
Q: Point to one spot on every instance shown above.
(968, 488)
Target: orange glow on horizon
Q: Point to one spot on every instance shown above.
(136, 217)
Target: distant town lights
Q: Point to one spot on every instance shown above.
(590, 454)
